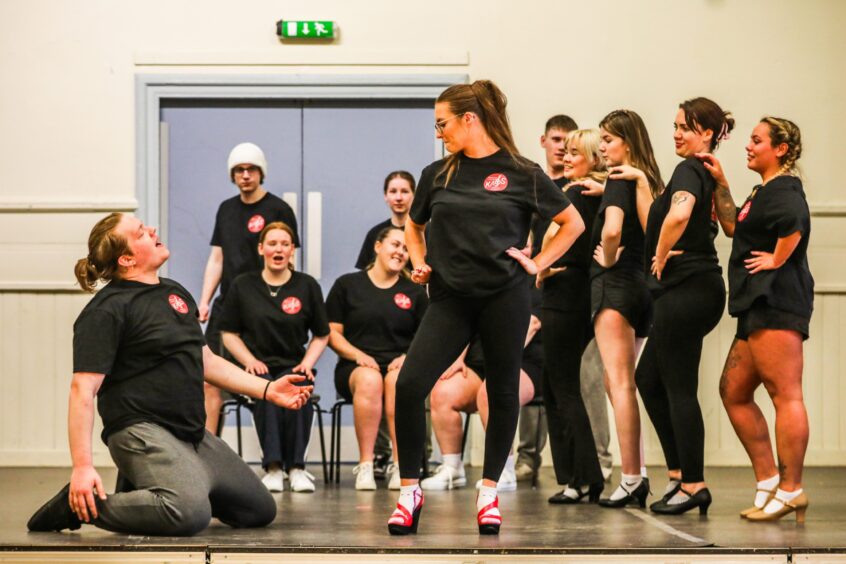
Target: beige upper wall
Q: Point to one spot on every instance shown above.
(67, 111)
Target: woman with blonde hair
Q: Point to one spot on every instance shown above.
(771, 293)
(480, 202)
(568, 330)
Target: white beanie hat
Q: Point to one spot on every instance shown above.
(247, 153)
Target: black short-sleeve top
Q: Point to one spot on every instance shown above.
(772, 212)
(486, 208)
(621, 194)
(570, 290)
(379, 321)
(237, 227)
(147, 341)
(275, 328)
(697, 241)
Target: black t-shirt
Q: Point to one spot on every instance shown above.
(237, 227)
(275, 328)
(147, 341)
(771, 212)
(486, 209)
(540, 225)
(379, 321)
(532, 353)
(366, 255)
(697, 241)
(621, 194)
(569, 290)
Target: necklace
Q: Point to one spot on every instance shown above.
(273, 292)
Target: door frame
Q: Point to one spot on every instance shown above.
(152, 89)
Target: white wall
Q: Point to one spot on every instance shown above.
(67, 150)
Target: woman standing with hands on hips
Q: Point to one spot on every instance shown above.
(480, 201)
(771, 293)
(620, 301)
(266, 323)
(686, 282)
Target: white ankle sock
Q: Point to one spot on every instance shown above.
(408, 495)
(487, 495)
(776, 504)
(768, 484)
(643, 472)
(509, 463)
(453, 460)
(628, 484)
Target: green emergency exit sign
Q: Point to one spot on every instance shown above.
(305, 29)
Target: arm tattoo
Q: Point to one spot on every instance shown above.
(680, 197)
(724, 204)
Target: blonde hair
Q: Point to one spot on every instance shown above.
(785, 131)
(586, 142)
(278, 225)
(105, 247)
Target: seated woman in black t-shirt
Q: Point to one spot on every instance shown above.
(266, 323)
(138, 348)
(771, 292)
(373, 315)
(620, 302)
(462, 389)
(686, 282)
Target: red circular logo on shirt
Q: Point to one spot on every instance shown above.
(255, 224)
(744, 211)
(402, 301)
(177, 303)
(292, 305)
(496, 182)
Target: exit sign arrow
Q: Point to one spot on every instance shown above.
(305, 29)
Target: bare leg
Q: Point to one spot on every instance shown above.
(391, 409)
(366, 387)
(213, 401)
(449, 399)
(527, 392)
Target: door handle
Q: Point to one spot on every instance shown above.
(314, 233)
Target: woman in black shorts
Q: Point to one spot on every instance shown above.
(373, 315)
(620, 301)
(568, 330)
(689, 294)
(266, 323)
(771, 292)
(480, 201)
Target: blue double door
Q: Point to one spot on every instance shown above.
(328, 160)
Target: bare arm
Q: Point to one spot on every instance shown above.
(85, 480)
(315, 348)
(283, 392)
(534, 327)
(346, 350)
(771, 261)
(672, 229)
(211, 279)
(236, 345)
(612, 234)
(570, 226)
(724, 204)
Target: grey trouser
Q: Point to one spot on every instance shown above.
(593, 393)
(529, 447)
(176, 488)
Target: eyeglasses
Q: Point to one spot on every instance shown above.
(439, 125)
(252, 169)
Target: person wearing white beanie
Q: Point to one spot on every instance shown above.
(234, 246)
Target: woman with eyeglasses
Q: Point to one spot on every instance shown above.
(620, 300)
(479, 200)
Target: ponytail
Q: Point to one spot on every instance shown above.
(105, 247)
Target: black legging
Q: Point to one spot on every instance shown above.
(448, 325)
(566, 334)
(667, 375)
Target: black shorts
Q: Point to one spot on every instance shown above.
(626, 294)
(343, 371)
(763, 316)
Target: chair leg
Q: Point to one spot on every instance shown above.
(338, 445)
(319, 412)
(238, 425)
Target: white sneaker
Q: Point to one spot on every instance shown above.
(445, 478)
(274, 480)
(301, 481)
(364, 480)
(507, 482)
(393, 477)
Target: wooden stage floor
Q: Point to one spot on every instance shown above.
(337, 520)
